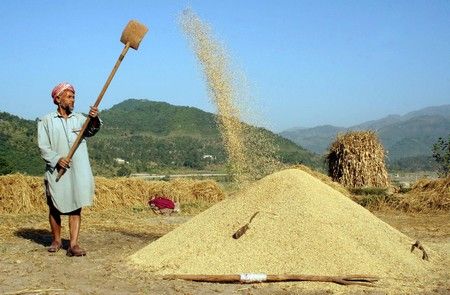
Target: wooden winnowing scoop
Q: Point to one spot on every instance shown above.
(244, 228)
(132, 36)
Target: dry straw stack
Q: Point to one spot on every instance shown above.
(303, 227)
(21, 194)
(126, 192)
(356, 160)
(25, 194)
(427, 196)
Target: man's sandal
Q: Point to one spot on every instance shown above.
(75, 251)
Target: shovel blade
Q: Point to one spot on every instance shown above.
(133, 34)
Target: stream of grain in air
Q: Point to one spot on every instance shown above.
(251, 151)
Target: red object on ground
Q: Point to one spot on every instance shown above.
(162, 203)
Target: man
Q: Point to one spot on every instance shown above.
(57, 132)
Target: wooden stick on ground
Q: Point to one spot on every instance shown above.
(35, 291)
(258, 278)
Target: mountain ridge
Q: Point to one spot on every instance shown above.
(403, 136)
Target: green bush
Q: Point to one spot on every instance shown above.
(369, 191)
(441, 153)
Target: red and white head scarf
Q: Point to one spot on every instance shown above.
(60, 88)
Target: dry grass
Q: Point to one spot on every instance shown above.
(427, 195)
(356, 159)
(25, 194)
(379, 202)
(21, 194)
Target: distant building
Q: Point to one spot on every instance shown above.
(120, 161)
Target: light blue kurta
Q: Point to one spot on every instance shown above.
(56, 135)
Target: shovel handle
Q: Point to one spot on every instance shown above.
(97, 102)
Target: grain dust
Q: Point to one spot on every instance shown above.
(251, 151)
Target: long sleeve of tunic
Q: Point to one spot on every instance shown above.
(56, 136)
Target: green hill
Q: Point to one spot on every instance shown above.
(316, 139)
(18, 146)
(156, 136)
(158, 119)
(153, 137)
(415, 136)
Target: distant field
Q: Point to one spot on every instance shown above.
(411, 177)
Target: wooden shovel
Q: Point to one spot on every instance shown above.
(244, 228)
(132, 36)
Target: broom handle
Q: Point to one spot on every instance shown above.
(97, 102)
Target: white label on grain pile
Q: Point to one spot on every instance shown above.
(253, 277)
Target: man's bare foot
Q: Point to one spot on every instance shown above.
(54, 247)
(75, 251)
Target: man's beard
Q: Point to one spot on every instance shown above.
(68, 108)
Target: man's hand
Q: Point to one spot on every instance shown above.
(63, 163)
(93, 113)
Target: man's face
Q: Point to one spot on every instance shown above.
(67, 100)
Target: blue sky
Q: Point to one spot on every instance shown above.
(306, 63)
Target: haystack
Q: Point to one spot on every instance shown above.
(356, 160)
(303, 227)
(427, 195)
(22, 194)
(25, 194)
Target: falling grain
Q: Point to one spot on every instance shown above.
(251, 151)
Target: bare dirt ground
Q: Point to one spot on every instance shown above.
(110, 237)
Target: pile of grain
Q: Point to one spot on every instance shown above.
(304, 227)
(427, 195)
(251, 152)
(25, 194)
(356, 159)
(324, 178)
